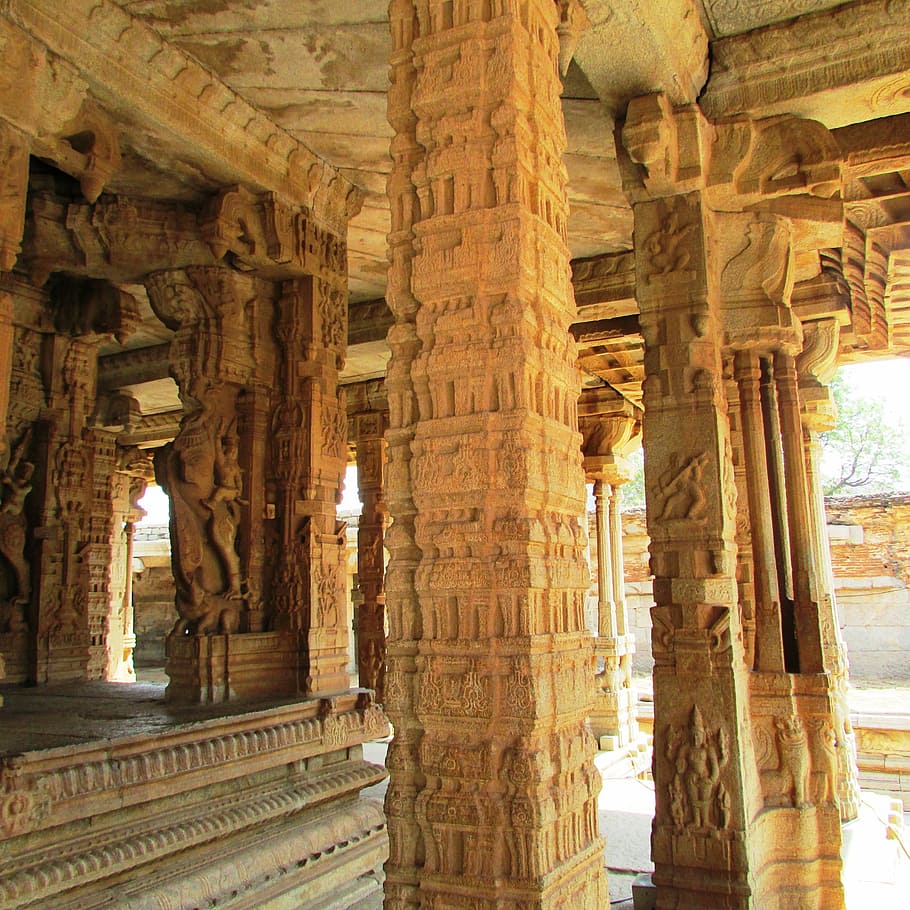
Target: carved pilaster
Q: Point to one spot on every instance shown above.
(64, 483)
(484, 474)
(371, 459)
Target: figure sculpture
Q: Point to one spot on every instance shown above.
(201, 473)
(15, 486)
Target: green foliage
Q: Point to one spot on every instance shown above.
(867, 450)
(633, 492)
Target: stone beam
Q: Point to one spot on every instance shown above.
(133, 367)
(839, 66)
(876, 147)
(600, 330)
(368, 321)
(152, 430)
(141, 79)
(604, 286)
(637, 47)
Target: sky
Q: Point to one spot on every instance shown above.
(888, 380)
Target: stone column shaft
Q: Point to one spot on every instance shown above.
(371, 645)
(606, 606)
(808, 633)
(488, 501)
(769, 641)
(778, 490)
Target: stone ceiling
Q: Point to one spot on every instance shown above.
(319, 69)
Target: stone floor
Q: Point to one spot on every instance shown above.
(877, 869)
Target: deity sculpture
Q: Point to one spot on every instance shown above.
(201, 473)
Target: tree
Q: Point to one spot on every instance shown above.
(867, 451)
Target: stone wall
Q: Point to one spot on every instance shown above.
(870, 551)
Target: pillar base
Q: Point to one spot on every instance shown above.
(209, 669)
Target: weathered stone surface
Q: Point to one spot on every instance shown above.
(194, 194)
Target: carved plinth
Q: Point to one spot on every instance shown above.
(254, 810)
(219, 668)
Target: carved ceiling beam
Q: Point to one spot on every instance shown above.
(604, 286)
(152, 430)
(875, 147)
(638, 47)
(826, 296)
(602, 330)
(368, 321)
(264, 234)
(837, 66)
(115, 371)
(144, 81)
(117, 238)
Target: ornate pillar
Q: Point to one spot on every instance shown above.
(104, 550)
(371, 647)
(493, 793)
(14, 156)
(705, 780)
(816, 365)
(611, 431)
(310, 450)
(64, 484)
(211, 361)
(18, 509)
(714, 285)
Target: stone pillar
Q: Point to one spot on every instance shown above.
(714, 283)
(611, 431)
(606, 605)
(764, 648)
(310, 438)
(14, 153)
(211, 361)
(64, 481)
(18, 499)
(371, 647)
(493, 793)
(816, 365)
(706, 786)
(105, 549)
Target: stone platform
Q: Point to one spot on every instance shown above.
(111, 798)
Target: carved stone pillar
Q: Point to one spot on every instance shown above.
(371, 649)
(706, 787)
(18, 500)
(816, 365)
(493, 793)
(64, 484)
(104, 551)
(14, 155)
(211, 361)
(714, 284)
(310, 448)
(611, 430)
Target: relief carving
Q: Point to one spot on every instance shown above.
(15, 485)
(697, 756)
(665, 248)
(680, 494)
(201, 475)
